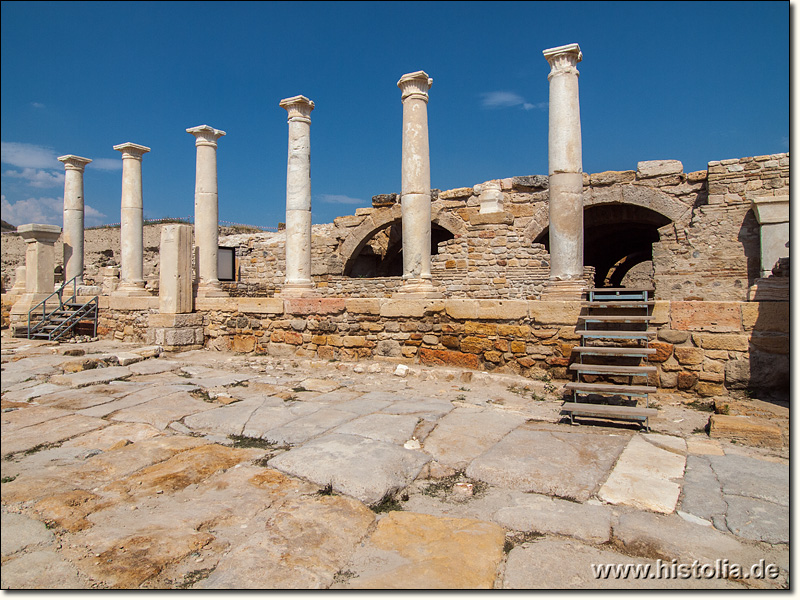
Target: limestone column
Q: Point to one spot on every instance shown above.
(20, 282)
(131, 222)
(415, 196)
(566, 175)
(206, 211)
(298, 197)
(73, 215)
(39, 263)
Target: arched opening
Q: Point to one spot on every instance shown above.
(382, 254)
(616, 238)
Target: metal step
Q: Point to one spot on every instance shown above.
(611, 388)
(642, 370)
(615, 334)
(618, 303)
(636, 413)
(613, 351)
(615, 318)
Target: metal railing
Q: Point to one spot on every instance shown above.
(67, 313)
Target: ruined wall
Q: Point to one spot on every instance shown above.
(716, 255)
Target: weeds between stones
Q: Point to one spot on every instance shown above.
(387, 504)
(193, 577)
(443, 488)
(202, 395)
(701, 406)
(326, 491)
(8, 479)
(243, 441)
(343, 576)
(516, 538)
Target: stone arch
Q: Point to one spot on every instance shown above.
(354, 243)
(636, 195)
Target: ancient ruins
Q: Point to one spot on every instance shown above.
(487, 277)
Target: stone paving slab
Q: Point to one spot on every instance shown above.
(360, 467)
(48, 432)
(273, 415)
(303, 545)
(163, 411)
(394, 429)
(91, 377)
(83, 398)
(414, 551)
(154, 366)
(556, 564)
(33, 392)
(41, 570)
(310, 426)
(225, 420)
(646, 475)
(543, 514)
(465, 433)
(429, 409)
(139, 396)
(20, 532)
(567, 465)
(756, 519)
(25, 417)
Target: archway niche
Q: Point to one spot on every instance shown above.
(617, 237)
(381, 255)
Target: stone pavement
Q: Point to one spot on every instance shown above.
(127, 468)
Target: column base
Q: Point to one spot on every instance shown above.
(210, 290)
(769, 289)
(176, 331)
(129, 290)
(298, 290)
(417, 288)
(564, 290)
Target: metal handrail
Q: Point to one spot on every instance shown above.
(45, 315)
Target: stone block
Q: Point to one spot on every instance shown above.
(476, 345)
(464, 192)
(449, 358)
(314, 306)
(243, 343)
(658, 168)
(540, 182)
(502, 309)
(766, 316)
(354, 341)
(706, 316)
(403, 307)
(687, 355)
(293, 337)
(518, 347)
(554, 313)
(686, 380)
(363, 306)
(611, 177)
(461, 309)
(498, 218)
(493, 356)
(260, 306)
(175, 320)
(522, 331)
(478, 328)
(672, 336)
(725, 341)
(773, 343)
(663, 352)
(746, 430)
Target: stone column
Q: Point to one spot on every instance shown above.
(39, 264)
(131, 222)
(206, 211)
(566, 176)
(415, 196)
(20, 282)
(490, 196)
(175, 326)
(298, 197)
(73, 215)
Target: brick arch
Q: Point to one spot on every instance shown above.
(358, 238)
(635, 195)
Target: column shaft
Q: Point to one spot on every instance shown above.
(565, 165)
(132, 221)
(73, 216)
(415, 195)
(298, 196)
(206, 210)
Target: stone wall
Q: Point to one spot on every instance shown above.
(703, 348)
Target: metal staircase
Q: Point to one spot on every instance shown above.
(56, 317)
(614, 343)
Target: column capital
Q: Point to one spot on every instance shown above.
(74, 163)
(39, 232)
(415, 84)
(298, 107)
(563, 59)
(205, 135)
(131, 150)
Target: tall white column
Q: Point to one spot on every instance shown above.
(566, 175)
(73, 215)
(415, 197)
(298, 197)
(206, 210)
(131, 222)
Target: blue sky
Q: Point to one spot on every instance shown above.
(691, 81)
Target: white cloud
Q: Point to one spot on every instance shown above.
(106, 164)
(49, 211)
(38, 178)
(37, 105)
(338, 199)
(494, 100)
(28, 156)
